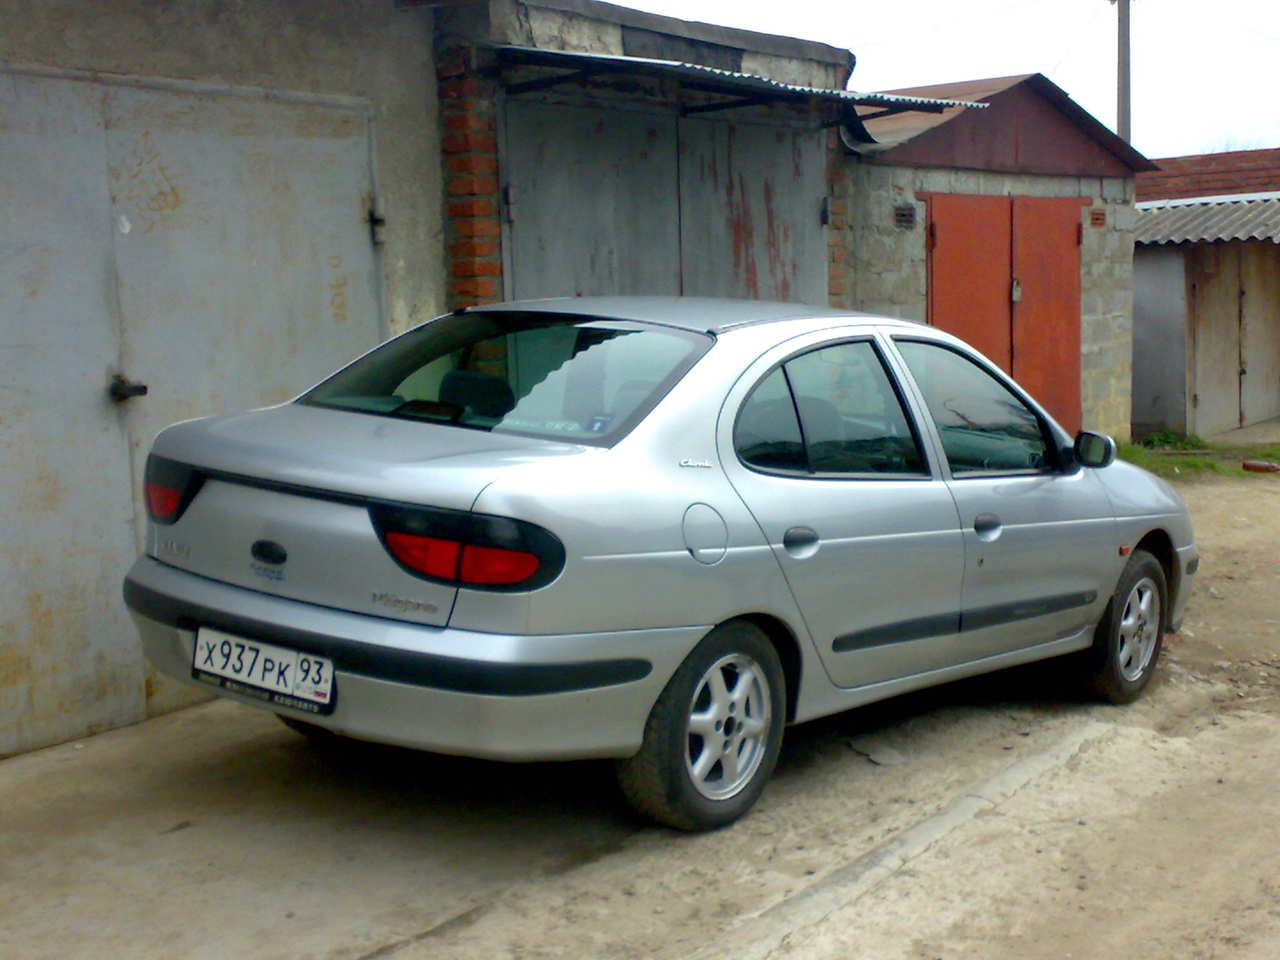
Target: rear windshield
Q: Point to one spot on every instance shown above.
(582, 379)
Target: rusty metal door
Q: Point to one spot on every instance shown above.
(1004, 275)
(591, 201)
(970, 257)
(69, 663)
(1215, 286)
(751, 211)
(211, 244)
(1046, 303)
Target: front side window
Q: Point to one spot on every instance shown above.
(984, 426)
(828, 412)
(581, 379)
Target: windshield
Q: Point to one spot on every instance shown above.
(582, 379)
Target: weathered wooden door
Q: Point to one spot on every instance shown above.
(1259, 331)
(1004, 275)
(1235, 305)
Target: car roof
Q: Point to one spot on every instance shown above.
(702, 314)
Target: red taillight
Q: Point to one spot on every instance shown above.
(429, 555)
(439, 558)
(464, 549)
(169, 487)
(162, 502)
(493, 565)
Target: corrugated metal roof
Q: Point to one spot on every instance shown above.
(1246, 217)
(715, 80)
(888, 132)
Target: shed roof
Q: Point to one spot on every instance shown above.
(1207, 219)
(1211, 174)
(913, 134)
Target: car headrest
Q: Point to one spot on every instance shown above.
(481, 393)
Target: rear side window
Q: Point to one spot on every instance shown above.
(829, 412)
(581, 379)
(984, 426)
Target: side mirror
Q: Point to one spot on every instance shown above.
(1094, 449)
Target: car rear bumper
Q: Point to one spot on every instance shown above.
(496, 696)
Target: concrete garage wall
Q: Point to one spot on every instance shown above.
(361, 48)
(885, 266)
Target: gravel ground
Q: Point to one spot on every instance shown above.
(1006, 817)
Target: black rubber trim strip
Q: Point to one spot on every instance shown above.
(398, 666)
(900, 632)
(1023, 610)
(939, 626)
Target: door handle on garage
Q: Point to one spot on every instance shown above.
(800, 542)
(987, 526)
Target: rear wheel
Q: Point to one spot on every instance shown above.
(712, 739)
(1127, 643)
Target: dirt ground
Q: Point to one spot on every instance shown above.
(1000, 818)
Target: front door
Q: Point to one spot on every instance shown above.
(1040, 560)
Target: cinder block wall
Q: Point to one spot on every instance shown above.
(887, 265)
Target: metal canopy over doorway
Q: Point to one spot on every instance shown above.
(692, 180)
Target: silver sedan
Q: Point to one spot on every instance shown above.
(655, 530)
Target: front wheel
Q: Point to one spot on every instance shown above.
(712, 738)
(1126, 646)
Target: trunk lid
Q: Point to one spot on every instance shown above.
(297, 481)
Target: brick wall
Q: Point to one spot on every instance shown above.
(469, 143)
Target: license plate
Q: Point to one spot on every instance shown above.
(274, 674)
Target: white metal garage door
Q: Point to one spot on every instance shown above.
(211, 244)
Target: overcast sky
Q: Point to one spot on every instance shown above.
(1204, 71)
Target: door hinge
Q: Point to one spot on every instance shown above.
(1079, 234)
(377, 224)
(1195, 399)
(1015, 291)
(824, 212)
(508, 201)
(933, 234)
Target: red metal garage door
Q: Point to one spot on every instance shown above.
(1004, 274)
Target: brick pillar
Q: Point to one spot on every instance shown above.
(473, 230)
(839, 287)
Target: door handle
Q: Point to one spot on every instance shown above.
(801, 542)
(987, 526)
(121, 389)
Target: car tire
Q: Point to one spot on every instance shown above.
(713, 736)
(1127, 642)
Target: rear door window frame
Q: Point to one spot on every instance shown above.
(905, 403)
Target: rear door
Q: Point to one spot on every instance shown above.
(862, 526)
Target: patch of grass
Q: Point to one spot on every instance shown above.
(1174, 462)
(1172, 441)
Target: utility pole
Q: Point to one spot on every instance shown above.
(1122, 71)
